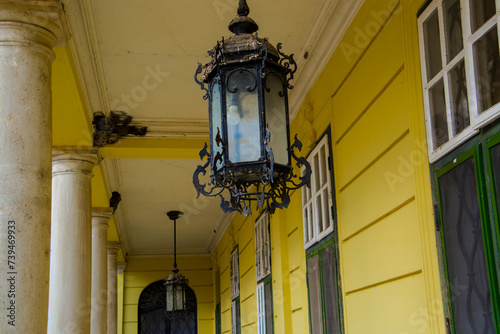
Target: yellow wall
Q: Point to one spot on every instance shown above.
(370, 95)
(142, 271)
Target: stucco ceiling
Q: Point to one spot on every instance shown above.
(139, 56)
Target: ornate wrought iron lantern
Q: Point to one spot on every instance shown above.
(175, 283)
(246, 84)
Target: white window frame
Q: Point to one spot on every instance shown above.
(477, 120)
(235, 275)
(310, 214)
(261, 308)
(262, 247)
(234, 318)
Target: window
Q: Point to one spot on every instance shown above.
(324, 311)
(264, 307)
(317, 200)
(235, 274)
(235, 292)
(262, 248)
(467, 191)
(460, 66)
(235, 316)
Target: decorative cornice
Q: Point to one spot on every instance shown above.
(174, 127)
(222, 225)
(332, 21)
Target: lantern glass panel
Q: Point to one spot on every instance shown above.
(216, 119)
(274, 96)
(243, 123)
(179, 297)
(170, 297)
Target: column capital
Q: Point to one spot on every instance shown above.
(113, 247)
(42, 15)
(121, 267)
(74, 159)
(101, 216)
(102, 212)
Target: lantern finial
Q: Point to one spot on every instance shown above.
(242, 24)
(243, 9)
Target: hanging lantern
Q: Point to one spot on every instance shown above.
(175, 283)
(246, 84)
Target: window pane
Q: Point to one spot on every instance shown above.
(326, 209)
(276, 116)
(432, 46)
(495, 162)
(242, 107)
(316, 173)
(330, 289)
(319, 213)
(438, 114)
(314, 294)
(323, 167)
(486, 58)
(453, 28)
(459, 102)
(269, 308)
(469, 291)
(481, 11)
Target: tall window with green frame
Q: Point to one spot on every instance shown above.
(468, 185)
(263, 275)
(320, 243)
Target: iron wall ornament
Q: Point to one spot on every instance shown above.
(246, 84)
(109, 130)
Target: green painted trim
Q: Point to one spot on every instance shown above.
(327, 241)
(268, 281)
(487, 238)
(218, 319)
(494, 209)
(477, 148)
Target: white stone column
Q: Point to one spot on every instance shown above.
(113, 248)
(70, 255)
(98, 314)
(28, 32)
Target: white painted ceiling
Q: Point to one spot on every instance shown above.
(118, 44)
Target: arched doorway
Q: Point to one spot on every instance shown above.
(151, 319)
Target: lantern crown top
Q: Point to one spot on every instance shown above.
(242, 24)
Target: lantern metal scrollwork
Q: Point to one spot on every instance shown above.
(246, 84)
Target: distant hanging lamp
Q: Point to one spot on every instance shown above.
(175, 283)
(250, 154)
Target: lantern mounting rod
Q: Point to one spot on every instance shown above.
(174, 215)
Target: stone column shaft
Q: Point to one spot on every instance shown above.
(98, 314)
(113, 248)
(28, 33)
(70, 257)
